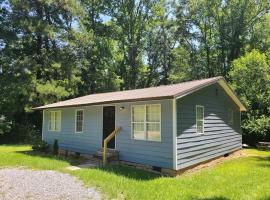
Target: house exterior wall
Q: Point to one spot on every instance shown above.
(87, 142)
(139, 151)
(146, 152)
(219, 137)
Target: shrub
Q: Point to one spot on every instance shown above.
(55, 147)
(21, 133)
(250, 78)
(41, 146)
(4, 127)
(256, 129)
(77, 154)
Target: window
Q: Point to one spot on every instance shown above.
(55, 121)
(230, 116)
(146, 121)
(199, 119)
(79, 121)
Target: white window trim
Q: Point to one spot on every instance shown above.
(145, 123)
(76, 120)
(199, 106)
(60, 121)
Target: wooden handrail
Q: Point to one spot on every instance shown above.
(106, 141)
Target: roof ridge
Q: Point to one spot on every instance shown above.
(216, 77)
(155, 92)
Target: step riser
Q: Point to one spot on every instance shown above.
(112, 155)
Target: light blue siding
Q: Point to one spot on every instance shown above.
(146, 152)
(87, 142)
(219, 137)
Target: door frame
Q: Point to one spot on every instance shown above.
(105, 105)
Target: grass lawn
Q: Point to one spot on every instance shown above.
(244, 178)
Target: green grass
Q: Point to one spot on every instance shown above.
(244, 178)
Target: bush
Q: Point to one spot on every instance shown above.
(55, 147)
(250, 78)
(77, 154)
(21, 133)
(5, 127)
(41, 146)
(256, 129)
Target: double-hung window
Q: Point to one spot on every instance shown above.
(230, 116)
(146, 122)
(79, 121)
(199, 119)
(55, 120)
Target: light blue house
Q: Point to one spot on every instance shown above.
(168, 127)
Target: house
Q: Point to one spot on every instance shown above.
(168, 127)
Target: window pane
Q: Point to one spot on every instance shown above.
(79, 115)
(57, 120)
(230, 116)
(79, 120)
(199, 113)
(153, 113)
(153, 131)
(138, 130)
(199, 126)
(51, 121)
(79, 127)
(138, 113)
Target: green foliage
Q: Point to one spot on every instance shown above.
(256, 129)
(4, 125)
(40, 146)
(55, 50)
(20, 133)
(250, 78)
(55, 147)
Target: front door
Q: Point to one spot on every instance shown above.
(109, 124)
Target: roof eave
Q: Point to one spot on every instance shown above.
(102, 103)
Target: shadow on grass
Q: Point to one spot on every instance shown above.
(130, 172)
(119, 170)
(70, 160)
(210, 198)
(263, 161)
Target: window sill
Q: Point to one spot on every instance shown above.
(199, 133)
(146, 140)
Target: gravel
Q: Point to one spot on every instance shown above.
(26, 184)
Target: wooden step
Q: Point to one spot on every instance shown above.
(112, 154)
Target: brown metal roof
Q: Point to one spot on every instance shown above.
(153, 93)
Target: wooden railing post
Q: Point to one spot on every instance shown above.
(106, 141)
(104, 153)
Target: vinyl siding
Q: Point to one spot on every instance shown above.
(145, 152)
(87, 142)
(219, 137)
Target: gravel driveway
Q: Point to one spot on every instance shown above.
(26, 184)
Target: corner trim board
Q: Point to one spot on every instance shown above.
(43, 125)
(174, 113)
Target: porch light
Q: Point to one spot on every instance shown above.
(122, 108)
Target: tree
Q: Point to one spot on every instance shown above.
(218, 31)
(37, 61)
(161, 40)
(131, 20)
(250, 76)
(94, 47)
